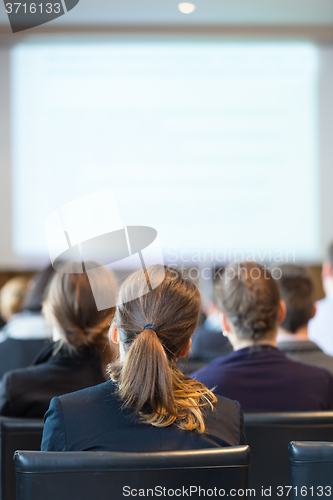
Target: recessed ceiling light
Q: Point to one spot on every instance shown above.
(186, 8)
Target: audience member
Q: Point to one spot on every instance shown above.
(321, 326)
(79, 354)
(208, 341)
(11, 297)
(257, 374)
(148, 405)
(297, 292)
(27, 332)
(212, 322)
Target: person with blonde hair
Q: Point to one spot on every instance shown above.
(26, 332)
(12, 295)
(80, 351)
(148, 405)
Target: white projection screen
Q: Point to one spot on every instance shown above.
(213, 144)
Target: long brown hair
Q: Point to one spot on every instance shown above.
(249, 297)
(71, 305)
(148, 380)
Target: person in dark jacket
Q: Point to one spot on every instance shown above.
(148, 405)
(26, 332)
(297, 290)
(79, 354)
(257, 374)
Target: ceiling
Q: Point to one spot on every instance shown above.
(207, 12)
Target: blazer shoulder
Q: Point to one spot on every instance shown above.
(54, 433)
(15, 381)
(104, 393)
(14, 391)
(18, 380)
(228, 407)
(227, 418)
(312, 371)
(88, 408)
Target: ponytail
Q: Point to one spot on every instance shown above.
(145, 375)
(153, 386)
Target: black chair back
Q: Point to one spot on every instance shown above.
(269, 434)
(311, 467)
(86, 475)
(15, 434)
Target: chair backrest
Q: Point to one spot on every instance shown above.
(15, 434)
(311, 467)
(85, 475)
(269, 434)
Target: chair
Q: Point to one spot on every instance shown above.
(85, 475)
(311, 465)
(269, 434)
(15, 433)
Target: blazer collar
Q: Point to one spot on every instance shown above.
(299, 345)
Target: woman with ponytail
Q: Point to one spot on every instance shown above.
(80, 351)
(148, 404)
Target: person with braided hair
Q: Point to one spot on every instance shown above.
(79, 354)
(148, 404)
(257, 374)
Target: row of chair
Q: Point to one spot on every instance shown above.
(217, 472)
(268, 436)
(113, 475)
(311, 467)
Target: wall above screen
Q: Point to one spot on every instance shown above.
(151, 12)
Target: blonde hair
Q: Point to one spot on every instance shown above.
(148, 380)
(70, 304)
(12, 295)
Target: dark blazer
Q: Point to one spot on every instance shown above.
(263, 379)
(27, 392)
(94, 420)
(19, 353)
(306, 352)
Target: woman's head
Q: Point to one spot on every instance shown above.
(147, 376)
(173, 307)
(70, 307)
(249, 299)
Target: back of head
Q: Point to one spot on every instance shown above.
(148, 379)
(297, 291)
(70, 306)
(248, 296)
(12, 295)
